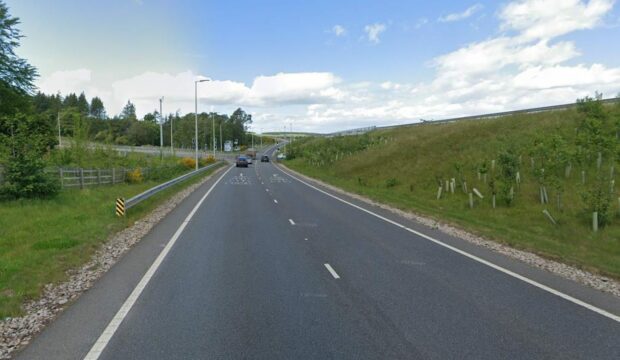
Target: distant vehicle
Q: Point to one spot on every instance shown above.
(264, 158)
(251, 153)
(242, 161)
(281, 157)
(249, 159)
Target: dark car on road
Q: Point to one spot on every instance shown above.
(264, 158)
(242, 161)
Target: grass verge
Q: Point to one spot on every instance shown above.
(41, 239)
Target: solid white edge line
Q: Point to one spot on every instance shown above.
(291, 221)
(471, 256)
(109, 331)
(332, 271)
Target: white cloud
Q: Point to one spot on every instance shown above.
(548, 19)
(462, 15)
(339, 30)
(66, 81)
(145, 89)
(373, 31)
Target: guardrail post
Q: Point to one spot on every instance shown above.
(81, 178)
(113, 176)
(62, 178)
(98, 176)
(120, 207)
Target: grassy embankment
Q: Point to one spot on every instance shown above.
(40, 239)
(403, 167)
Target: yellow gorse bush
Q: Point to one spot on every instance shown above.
(188, 162)
(135, 176)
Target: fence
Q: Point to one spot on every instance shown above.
(78, 177)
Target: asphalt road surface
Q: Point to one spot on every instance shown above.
(267, 267)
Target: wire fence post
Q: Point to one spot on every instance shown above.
(81, 178)
(62, 178)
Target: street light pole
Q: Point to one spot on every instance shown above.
(161, 129)
(59, 138)
(213, 128)
(196, 118)
(221, 141)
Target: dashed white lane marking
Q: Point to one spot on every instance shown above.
(109, 331)
(543, 287)
(306, 239)
(291, 221)
(332, 271)
(267, 190)
(275, 201)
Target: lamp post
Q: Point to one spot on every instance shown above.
(196, 117)
(213, 129)
(161, 130)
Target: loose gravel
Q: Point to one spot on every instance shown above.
(17, 332)
(599, 282)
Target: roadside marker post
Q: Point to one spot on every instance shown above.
(120, 207)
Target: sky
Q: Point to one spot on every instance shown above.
(324, 65)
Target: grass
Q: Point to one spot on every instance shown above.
(401, 167)
(41, 239)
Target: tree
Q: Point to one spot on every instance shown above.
(24, 140)
(151, 117)
(82, 104)
(16, 75)
(97, 110)
(70, 101)
(129, 111)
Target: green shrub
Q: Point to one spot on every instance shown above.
(26, 140)
(391, 182)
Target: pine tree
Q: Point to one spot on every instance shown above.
(129, 111)
(82, 104)
(97, 110)
(16, 75)
(70, 101)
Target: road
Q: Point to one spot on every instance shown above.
(267, 267)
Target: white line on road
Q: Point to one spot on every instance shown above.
(332, 271)
(109, 331)
(306, 239)
(267, 190)
(275, 201)
(291, 221)
(471, 256)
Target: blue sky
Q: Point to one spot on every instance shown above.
(325, 65)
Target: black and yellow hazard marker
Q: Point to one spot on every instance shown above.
(120, 207)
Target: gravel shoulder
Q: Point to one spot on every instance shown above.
(17, 332)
